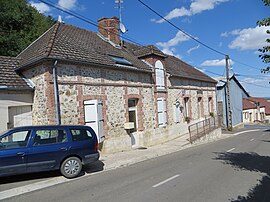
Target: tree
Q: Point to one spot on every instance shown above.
(266, 49)
(20, 24)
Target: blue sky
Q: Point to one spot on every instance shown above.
(228, 26)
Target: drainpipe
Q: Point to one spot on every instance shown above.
(56, 95)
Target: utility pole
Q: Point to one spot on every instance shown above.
(228, 99)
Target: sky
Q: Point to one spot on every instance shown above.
(226, 26)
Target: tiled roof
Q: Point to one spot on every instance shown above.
(148, 50)
(262, 102)
(67, 42)
(9, 80)
(64, 41)
(248, 104)
(177, 67)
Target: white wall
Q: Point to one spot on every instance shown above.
(8, 99)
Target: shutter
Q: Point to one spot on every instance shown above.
(162, 113)
(177, 112)
(93, 117)
(160, 81)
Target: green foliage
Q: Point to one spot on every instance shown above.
(20, 24)
(266, 49)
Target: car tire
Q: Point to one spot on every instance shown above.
(71, 167)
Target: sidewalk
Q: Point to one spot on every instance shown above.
(122, 159)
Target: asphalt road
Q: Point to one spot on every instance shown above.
(232, 169)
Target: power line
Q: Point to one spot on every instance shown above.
(181, 30)
(85, 19)
(245, 64)
(254, 84)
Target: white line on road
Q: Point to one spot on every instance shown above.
(32, 187)
(251, 139)
(246, 131)
(230, 150)
(163, 182)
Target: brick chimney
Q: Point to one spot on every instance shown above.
(109, 28)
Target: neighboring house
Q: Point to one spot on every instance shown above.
(133, 95)
(16, 96)
(237, 93)
(256, 110)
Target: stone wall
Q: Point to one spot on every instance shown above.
(114, 87)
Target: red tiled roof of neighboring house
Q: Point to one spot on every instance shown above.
(248, 104)
(67, 42)
(9, 79)
(251, 103)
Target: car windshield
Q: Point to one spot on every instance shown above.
(2, 133)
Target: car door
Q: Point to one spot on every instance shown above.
(48, 148)
(13, 152)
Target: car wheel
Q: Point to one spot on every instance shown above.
(71, 167)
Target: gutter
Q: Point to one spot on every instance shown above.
(56, 94)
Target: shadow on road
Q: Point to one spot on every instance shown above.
(94, 167)
(90, 168)
(255, 163)
(28, 177)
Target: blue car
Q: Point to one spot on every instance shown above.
(44, 148)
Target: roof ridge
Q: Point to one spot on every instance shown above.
(52, 39)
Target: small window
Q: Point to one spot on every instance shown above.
(121, 61)
(81, 134)
(45, 137)
(15, 140)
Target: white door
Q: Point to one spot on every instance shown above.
(93, 117)
(20, 116)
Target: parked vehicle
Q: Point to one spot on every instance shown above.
(44, 148)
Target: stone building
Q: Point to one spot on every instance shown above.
(131, 95)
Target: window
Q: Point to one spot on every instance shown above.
(132, 113)
(210, 104)
(45, 137)
(177, 112)
(81, 134)
(15, 140)
(162, 112)
(199, 107)
(186, 107)
(160, 80)
(121, 61)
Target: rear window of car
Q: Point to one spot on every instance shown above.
(45, 137)
(81, 134)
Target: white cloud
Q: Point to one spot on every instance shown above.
(227, 34)
(197, 6)
(179, 38)
(249, 39)
(168, 47)
(216, 63)
(193, 49)
(41, 7)
(68, 4)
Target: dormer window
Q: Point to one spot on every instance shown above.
(160, 80)
(121, 61)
